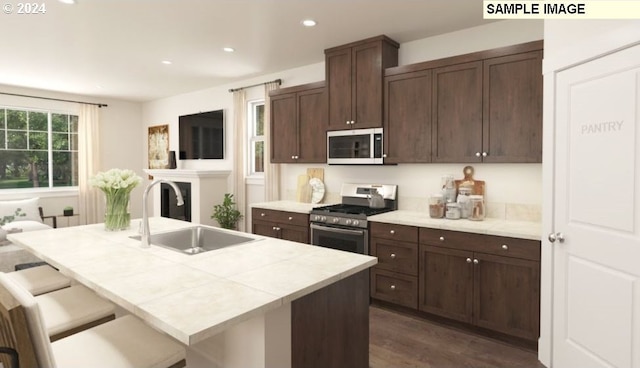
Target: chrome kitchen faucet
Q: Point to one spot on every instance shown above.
(144, 231)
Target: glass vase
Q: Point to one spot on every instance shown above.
(117, 216)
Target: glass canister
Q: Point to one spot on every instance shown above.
(448, 188)
(453, 211)
(464, 202)
(476, 203)
(436, 205)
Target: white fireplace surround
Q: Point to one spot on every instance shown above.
(207, 189)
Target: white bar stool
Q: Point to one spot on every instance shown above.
(40, 279)
(73, 309)
(125, 342)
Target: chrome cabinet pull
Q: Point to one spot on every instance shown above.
(393, 256)
(393, 287)
(505, 247)
(442, 238)
(392, 232)
(468, 260)
(475, 261)
(290, 218)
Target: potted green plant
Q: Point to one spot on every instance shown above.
(67, 211)
(226, 213)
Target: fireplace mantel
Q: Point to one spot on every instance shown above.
(185, 173)
(207, 189)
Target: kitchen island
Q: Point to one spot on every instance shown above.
(266, 303)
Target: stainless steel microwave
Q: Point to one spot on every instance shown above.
(355, 147)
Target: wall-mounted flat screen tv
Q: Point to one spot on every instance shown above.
(202, 135)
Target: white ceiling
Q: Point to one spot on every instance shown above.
(114, 48)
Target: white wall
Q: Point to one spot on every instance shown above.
(120, 138)
(505, 183)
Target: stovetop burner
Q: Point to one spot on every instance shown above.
(350, 209)
(354, 209)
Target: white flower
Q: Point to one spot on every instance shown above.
(115, 179)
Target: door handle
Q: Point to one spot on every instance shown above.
(556, 236)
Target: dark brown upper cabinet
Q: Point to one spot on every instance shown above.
(299, 124)
(512, 111)
(407, 127)
(354, 75)
(479, 107)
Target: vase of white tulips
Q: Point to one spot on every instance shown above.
(117, 185)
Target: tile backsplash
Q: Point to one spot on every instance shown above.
(502, 211)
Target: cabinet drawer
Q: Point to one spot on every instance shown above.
(449, 239)
(395, 256)
(509, 247)
(282, 217)
(394, 288)
(499, 245)
(395, 232)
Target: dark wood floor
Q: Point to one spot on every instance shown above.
(398, 340)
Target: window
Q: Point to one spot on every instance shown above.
(256, 137)
(38, 149)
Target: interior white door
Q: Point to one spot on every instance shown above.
(596, 268)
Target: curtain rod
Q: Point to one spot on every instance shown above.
(54, 99)
(279, 81)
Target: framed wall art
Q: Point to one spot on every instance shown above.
(159, 147)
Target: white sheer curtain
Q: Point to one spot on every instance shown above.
(239, 139)
(90, 199)
(271, 171)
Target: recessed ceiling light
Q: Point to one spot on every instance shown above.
(166, 62)
(70, 2)
(308, 22)
(228, 49)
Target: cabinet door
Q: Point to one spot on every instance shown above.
(446, 282)
(312, 126)
(284, 128)
(264, 228)
(507, 295)
(298, 234)
(513, 108)
(366, 92)
(338, 74)
(408, 118)
(457, 113)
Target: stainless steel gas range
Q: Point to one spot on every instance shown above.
(344, 226)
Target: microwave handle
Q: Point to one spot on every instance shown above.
(377, 145)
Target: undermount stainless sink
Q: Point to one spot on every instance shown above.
(197, 239)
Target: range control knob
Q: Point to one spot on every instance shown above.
(335, 220)
(323, 218)
(348, 222)
(356, 222)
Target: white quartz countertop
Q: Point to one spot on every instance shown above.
(190, 297)
(290, 206)
(489, 226)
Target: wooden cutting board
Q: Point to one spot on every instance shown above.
(477, 186)
(303, 189)
(316, 173)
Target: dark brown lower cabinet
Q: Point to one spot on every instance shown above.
(488, 281)
(507, 295)
(484, 281)
(446, 283)
(280, 224)
(330, 327)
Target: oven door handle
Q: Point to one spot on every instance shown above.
(338, 230)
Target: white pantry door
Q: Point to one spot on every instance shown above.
(596, 269)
